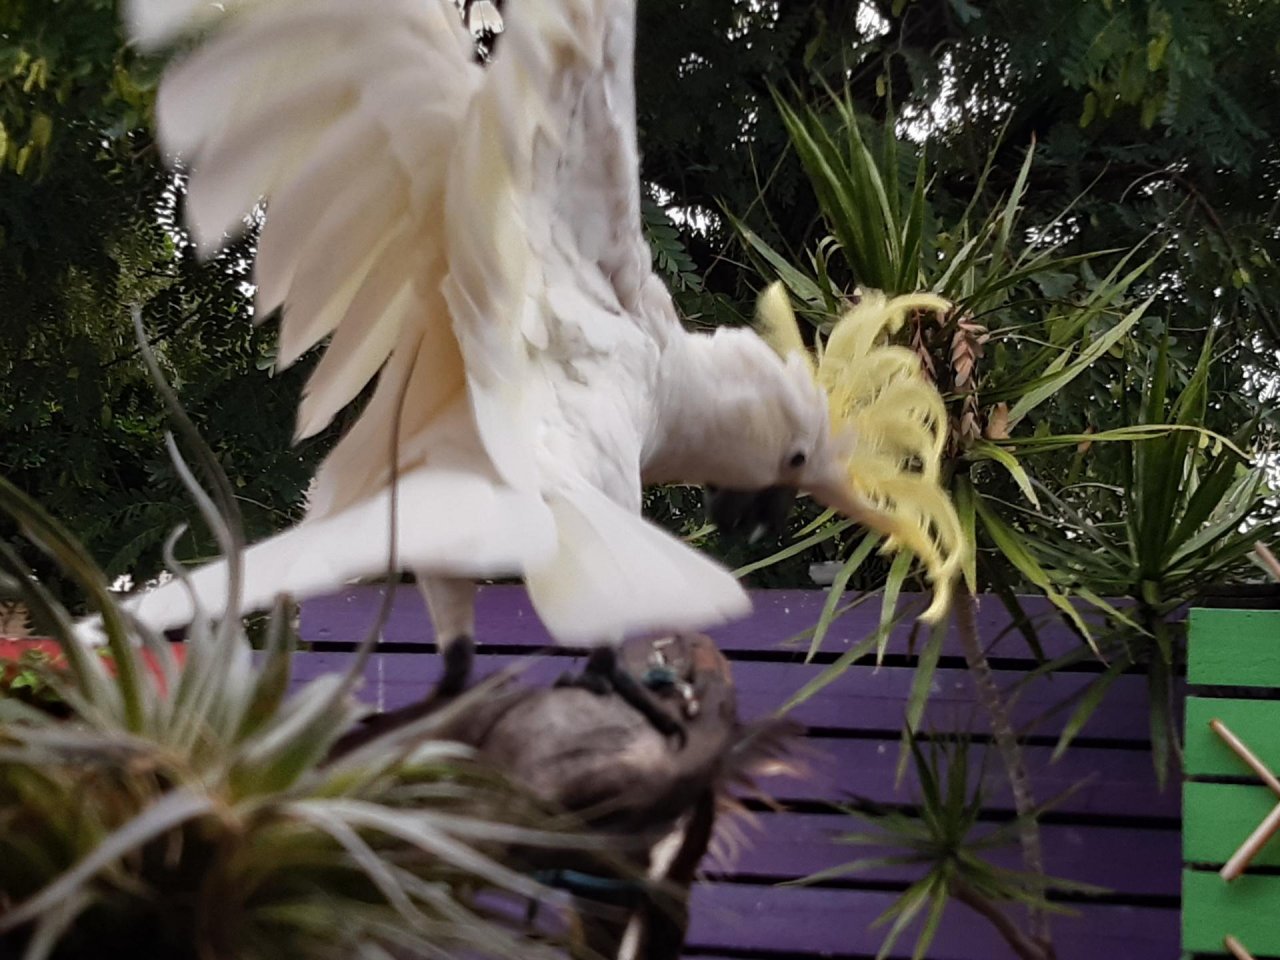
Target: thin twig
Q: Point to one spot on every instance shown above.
(1011, 753)
(1237, 948)
(1241, 859)
(1268, 560)
(1018, 941)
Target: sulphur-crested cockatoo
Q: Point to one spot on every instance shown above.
(470, 236)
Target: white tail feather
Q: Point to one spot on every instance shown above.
(616, 575)
(596, 573)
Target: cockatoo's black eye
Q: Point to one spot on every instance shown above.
(797, 460)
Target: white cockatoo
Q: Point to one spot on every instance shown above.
(470, 235)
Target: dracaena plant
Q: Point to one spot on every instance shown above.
(950, 845)
(196, 811)
(1186, 515)
(1014, 293)
(1020, 346)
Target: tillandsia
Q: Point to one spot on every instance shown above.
(891, 421)
(195, 808)
(194, 805)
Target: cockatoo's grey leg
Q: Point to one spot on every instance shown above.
(603, 674)
(452, 605)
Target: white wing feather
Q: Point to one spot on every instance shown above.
(506, 531)
(153, 24)
(343, 116)
(483, 17)
(615, 575)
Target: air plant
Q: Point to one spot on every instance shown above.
(196, 811)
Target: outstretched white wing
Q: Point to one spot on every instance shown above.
(456, 231)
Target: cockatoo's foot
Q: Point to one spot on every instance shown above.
(458, 656)
(603, 675)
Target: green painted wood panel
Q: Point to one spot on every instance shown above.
(1247, 909)
(1230, 648)
(1218, 817)
(1256, 722)
(1234, 647)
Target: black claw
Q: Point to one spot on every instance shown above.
(458, 657)
(603, 675)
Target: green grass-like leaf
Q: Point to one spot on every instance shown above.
(945, 839)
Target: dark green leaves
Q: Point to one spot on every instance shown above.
(948, 843)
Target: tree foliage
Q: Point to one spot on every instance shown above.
(1152, 128)
(1152, 119)
(88, 220)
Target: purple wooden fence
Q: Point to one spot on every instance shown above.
(1118, 830)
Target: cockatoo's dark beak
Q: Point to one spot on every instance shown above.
(752, 514)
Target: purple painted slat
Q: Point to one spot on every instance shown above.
(800, 920)
(1105, 781)
(1122, 781)
(862, 699)
(504, 617)
(392, 680)
(791, 845)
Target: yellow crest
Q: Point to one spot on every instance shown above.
(896, 421)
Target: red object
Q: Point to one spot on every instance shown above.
(12, 649)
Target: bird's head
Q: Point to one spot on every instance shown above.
(855, 424)
(776, 435)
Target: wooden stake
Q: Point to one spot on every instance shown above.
(1237, 948)
(1244, 753)
(1240, 860)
